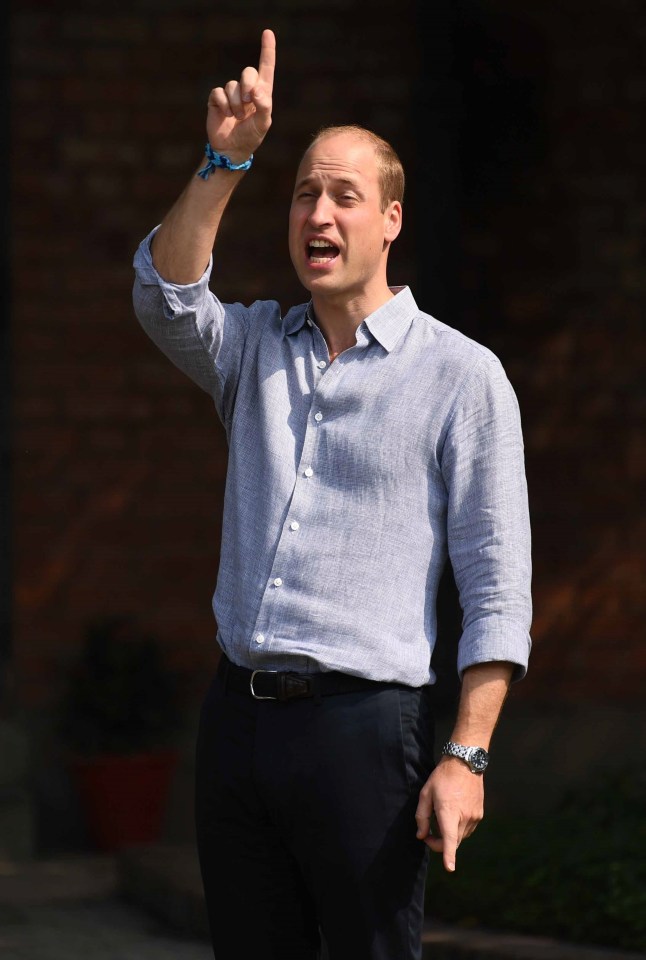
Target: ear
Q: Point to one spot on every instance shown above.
(392, 221)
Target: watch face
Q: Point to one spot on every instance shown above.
(479, 759)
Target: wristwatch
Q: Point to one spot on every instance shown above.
(476, 758)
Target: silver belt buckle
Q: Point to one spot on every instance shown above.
(253, 692)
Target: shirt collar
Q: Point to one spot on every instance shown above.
(296, 317)
(391, 320)
(387, 324)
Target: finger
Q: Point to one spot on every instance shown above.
(423, 825)
(261, 99)
(448, 823)
(424, 815)
(267, 63)
(234, 97)
(248, 80)
(218, 99)
(436, 844)
(449, 847)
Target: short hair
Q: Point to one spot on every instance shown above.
(389, 166)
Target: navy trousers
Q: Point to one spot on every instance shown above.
(305, 816)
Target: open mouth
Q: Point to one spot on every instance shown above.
(321, 251)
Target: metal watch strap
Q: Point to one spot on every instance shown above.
(476, 758)
(452, 749)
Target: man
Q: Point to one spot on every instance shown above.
(366, 441)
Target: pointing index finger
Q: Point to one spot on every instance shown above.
(267, 61)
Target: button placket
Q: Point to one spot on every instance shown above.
(289, 547)
(324, 399)
(320, 347)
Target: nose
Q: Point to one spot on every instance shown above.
(321, 214)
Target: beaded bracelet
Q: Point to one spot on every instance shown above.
(219, 160)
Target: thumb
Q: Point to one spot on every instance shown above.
(262, 101)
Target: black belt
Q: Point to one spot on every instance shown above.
(284, 685)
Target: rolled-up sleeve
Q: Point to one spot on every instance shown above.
(204, 338)
(488, 528)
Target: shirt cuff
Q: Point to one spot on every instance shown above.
(179, 296)
(493, 639)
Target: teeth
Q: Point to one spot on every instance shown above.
(321, 243)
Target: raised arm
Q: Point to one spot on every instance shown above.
(238, 118)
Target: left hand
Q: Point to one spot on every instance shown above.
(454, 797)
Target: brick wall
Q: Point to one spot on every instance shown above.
(553, 270)
(119, 461)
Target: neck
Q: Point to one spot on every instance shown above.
(338, 321)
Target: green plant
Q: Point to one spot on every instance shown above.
(578, 873)
(121, 697)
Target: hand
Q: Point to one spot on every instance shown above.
(454, 798)
(239, 114)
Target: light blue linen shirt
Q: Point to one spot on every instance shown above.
(348, 483)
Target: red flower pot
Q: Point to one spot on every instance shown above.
(124, 797)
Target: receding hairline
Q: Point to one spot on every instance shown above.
(390, 168)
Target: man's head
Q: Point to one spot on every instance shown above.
(346, 210)
(389, 166)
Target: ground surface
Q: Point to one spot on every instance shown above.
(105, 930)
(73, 909)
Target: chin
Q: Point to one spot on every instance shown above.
(312, 283)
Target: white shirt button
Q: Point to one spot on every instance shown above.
(278, 582)
(308, 472)
(321, 364)
(260, 638)
(318, 416)
(294, 525)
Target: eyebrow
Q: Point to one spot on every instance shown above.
(337, 180)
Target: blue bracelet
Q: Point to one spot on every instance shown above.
(219, 160)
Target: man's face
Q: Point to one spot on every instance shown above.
(338, 232)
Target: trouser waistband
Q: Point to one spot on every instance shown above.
(287, 685)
